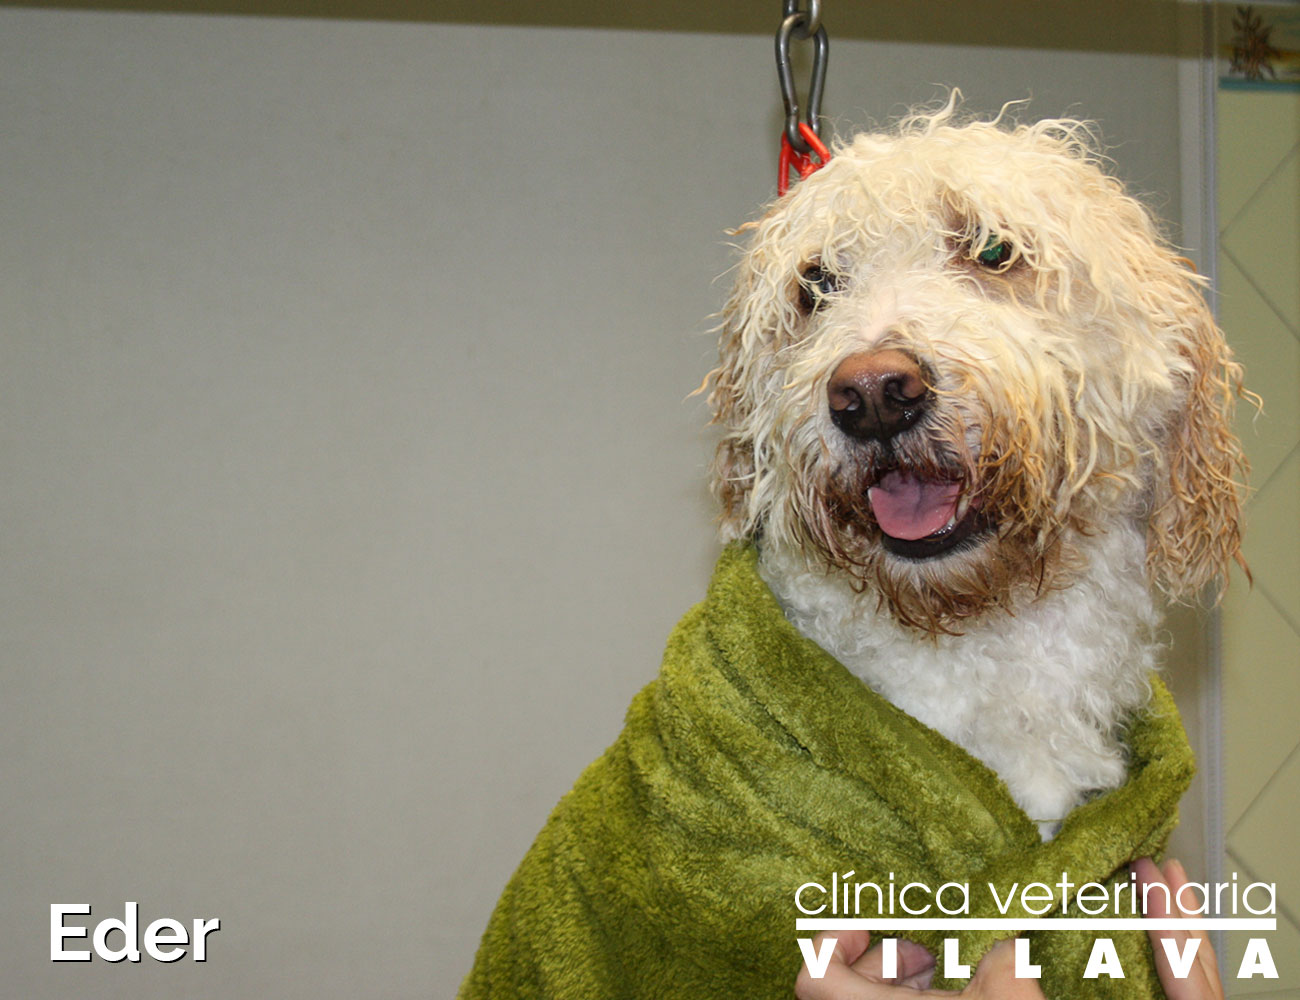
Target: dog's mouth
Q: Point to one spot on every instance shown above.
(921, 516)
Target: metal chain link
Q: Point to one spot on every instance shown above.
(813, 16)
(801, 25)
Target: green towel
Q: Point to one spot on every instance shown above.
(754, 763)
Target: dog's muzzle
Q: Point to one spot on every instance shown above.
(921, 512)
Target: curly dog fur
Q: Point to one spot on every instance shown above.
(1048, 437)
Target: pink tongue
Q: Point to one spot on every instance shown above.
(911, 508)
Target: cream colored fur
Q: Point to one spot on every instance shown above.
(1081, 390)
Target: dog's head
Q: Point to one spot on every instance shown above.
(957, 352)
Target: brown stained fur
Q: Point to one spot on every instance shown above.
(733, 463)
(1194, 531)
(1031, 555)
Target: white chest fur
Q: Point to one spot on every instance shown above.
(1039, 696)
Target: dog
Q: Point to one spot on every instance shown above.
(974, 409)
(974, 413)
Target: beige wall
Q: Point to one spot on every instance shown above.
(351, 483)
(1259, 281)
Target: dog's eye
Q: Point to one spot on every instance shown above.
(996, 254)
(815, 285)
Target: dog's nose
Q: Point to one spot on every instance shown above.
(877, 394)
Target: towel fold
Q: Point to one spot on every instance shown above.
(755, 763)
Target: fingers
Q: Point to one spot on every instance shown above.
(913, 965)
(1147, 874)
(1202, 980)
(840, 981)
(995, 977)
(850, 946)
(1207, 962)
(855, 971)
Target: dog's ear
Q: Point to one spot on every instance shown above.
(733, 472)
(759, 318)
(733, 463)
(1194, 531)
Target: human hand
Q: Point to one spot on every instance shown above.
(854, 973)
(1202, 982)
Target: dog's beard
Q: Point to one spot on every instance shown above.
(1006, 548)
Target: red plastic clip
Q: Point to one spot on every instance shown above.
(802, 162)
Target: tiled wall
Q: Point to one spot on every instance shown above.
(1259, 282)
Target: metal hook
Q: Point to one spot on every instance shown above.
(801, 24)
